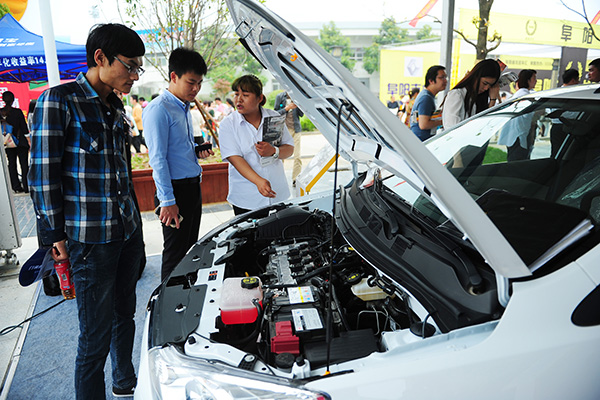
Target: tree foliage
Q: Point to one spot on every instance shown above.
(201, 25)
(237, 62)
(425, 33)
(331, 37)
(389, 33)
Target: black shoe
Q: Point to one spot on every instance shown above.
(123, 392)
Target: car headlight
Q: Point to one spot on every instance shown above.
(177, 376)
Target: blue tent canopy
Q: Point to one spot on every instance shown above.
(22, 57)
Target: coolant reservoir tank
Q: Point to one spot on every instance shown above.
(236, 300)
(363, 291)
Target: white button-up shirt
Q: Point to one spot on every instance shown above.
(238, 137)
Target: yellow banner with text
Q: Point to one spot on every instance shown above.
(532, 30)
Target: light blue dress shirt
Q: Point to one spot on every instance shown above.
(169, 133)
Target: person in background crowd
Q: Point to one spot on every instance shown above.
(256, 174)
(174, 158)
(228, 106)
(219, 106)
(143, 102)
(525, 83)
(422, 119)
(557, 135)
(570, 77)
(285, 106)
(137, 137)
(83, 198)
(414, 92)
(594, 71)
(20, 132)
(393, 105)
(30, 114)
(476, 92)
(518, 135)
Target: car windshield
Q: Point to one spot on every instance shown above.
(533, 166)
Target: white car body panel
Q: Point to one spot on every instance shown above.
(529, 344)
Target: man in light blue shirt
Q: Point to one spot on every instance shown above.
(173, 157)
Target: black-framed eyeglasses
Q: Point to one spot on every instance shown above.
(132, 70)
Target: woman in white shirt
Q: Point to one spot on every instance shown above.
(476, 92)
(256, 175)
(526, 82)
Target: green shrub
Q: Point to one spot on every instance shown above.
(307, 125)
(271, 99)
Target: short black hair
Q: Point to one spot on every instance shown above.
(217, 98)
(134, 97)
(250, 84)
(570, 74)
(8, 97)
(595, 63)
(113, 39)
(184, 60)
(432, 73)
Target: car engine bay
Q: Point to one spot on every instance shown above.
(266, 303)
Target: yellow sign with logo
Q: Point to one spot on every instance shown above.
(400, 71)
(532, 30)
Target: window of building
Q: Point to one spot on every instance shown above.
(358, 53)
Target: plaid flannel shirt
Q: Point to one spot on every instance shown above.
(79, 182)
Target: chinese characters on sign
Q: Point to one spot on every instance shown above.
(587, 35)
(23, 61)
(401, 88)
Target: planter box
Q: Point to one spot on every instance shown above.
(215, 185)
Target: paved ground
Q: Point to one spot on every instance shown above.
(17, 303)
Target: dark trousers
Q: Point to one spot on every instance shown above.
(137, 142)
(105, 277)
(177, 242)
(12, 154)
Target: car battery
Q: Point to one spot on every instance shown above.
(238, 299)
(300, 305)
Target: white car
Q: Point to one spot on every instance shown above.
(443, 271)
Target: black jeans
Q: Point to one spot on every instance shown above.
(23, 154)
(176, 242)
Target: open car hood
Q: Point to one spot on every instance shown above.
(369, 133)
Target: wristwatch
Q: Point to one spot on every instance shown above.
(276, 154)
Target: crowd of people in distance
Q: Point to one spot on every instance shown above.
(425, 113)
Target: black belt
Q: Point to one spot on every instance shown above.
(186, 181)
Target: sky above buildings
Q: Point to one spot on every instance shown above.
(73, 19)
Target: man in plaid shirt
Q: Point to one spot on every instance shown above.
(83, 198)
